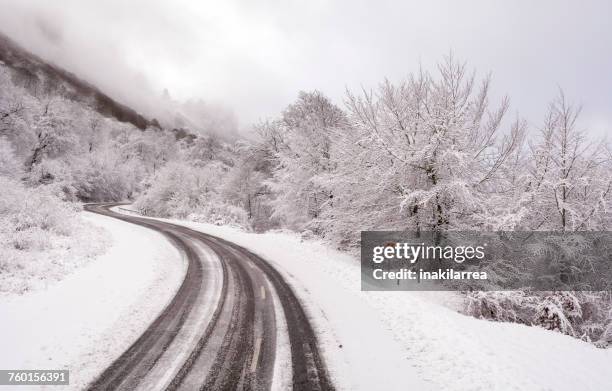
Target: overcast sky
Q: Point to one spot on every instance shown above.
(256, 55)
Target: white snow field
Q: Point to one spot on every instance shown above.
(417, 340)
(84, 321)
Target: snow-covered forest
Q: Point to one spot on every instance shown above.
(434, 151)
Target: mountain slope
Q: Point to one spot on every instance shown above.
(39, 77)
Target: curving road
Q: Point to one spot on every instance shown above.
(221, 331)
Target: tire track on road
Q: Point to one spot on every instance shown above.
(236, 349)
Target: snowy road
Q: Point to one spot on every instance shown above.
(225, 328)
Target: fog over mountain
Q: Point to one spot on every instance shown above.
(252, 58)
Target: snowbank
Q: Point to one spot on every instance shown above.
(414, 340)
(89, 318)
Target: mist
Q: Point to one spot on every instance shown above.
(249, 60)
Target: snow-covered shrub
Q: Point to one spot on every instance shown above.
(221, 214)
(181, 190)
(41, 236)
(23, 208)
(558, 312)
(175, 191)
(584, 315)
(605, 340)
(504, 306)
(100, 178)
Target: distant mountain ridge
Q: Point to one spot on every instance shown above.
(39, 76)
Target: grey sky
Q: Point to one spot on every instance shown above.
(254, 56)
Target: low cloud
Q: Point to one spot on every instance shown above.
(255, 57)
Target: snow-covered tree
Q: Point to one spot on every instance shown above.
(246, 183)
(423, 154)
(54, 134)
(570, 182)
(300, 141)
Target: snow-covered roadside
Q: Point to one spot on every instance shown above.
(89, 318)
(412, 340)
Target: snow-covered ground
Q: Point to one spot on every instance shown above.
(84, 321)
(371, 340)
(414, 340)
